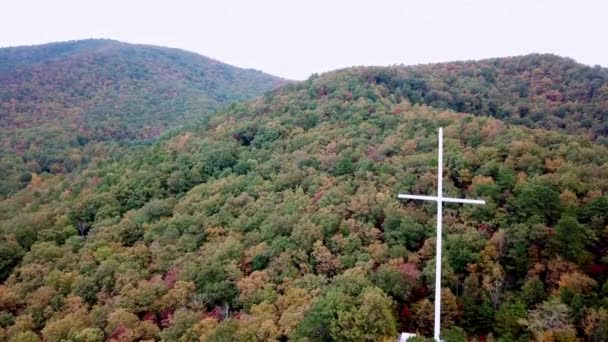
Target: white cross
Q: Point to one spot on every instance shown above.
(439, 199)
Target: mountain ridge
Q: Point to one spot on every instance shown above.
(534, 90)
(56, 98)
(73, 46)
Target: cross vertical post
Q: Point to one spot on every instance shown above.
(439, 238)
(439, 199)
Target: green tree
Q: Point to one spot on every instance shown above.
(225, 331)
(454, 334)
(182, 321)
(338, 316)
(317, 324)
(403, 230)
(344, 165)
(596, 212)
(10, 255)
(572, 238)
(533, 291)
(508, 319)
(536, 199)
(219, 159)
(393, 282)
(463, 250)
(519, 239)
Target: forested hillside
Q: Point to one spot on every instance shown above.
(57, 99)
(538, 91)
(277, 219)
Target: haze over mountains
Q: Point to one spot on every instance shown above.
(276, 218)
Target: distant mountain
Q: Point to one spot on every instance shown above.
(56, 98)
(538, 90)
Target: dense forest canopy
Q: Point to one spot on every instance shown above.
(56, 99)
(277, 219)
(538, 91)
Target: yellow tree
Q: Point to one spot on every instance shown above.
(292, 307)
(260, 324)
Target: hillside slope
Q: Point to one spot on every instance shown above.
(538, 91)
(56, 98)
(278, 220)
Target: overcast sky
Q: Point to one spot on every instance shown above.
(294, 40)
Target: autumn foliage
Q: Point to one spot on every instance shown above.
(278, 219)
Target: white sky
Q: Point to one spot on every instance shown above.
(293, 40)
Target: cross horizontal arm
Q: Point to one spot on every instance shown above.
(442, 199)
(418, 197)
(462, 200)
